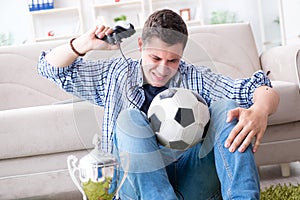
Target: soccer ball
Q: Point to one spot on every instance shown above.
(178, 117)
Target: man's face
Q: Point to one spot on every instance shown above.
(160, 61)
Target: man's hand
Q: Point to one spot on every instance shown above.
(91, 40)
(63, 55)
(252, 124)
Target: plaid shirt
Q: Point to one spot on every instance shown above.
(114, 85)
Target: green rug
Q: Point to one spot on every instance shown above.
(281, 192)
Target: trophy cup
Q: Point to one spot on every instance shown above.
(98, 174)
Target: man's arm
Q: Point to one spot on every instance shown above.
(63, 55)
(252, 121)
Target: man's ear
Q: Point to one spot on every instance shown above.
(140, 43)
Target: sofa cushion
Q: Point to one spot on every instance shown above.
(234, 55)
(20, 84)
(48, 129)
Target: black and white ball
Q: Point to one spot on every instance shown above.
(178, 117)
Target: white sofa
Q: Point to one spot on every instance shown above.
(40, 125)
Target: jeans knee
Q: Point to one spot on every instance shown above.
(135, 137)
(226, 103)
(133, 122)
(219, 108)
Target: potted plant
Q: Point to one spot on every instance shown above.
(120, 20)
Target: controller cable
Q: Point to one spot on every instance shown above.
(118, 43)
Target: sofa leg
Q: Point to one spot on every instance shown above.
(285, 169)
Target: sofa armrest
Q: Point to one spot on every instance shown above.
(289, 105)
(48, 129)
(283, 63)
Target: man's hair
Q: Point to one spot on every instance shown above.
(166, 25)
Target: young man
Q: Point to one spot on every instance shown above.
(239, 111)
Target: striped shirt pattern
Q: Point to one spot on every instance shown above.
(116, 84)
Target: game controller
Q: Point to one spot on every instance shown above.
(118, 34)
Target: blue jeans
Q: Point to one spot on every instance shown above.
(205, 171)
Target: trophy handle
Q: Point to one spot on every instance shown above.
(72, 170)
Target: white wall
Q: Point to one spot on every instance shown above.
(270, 31)
(246, 11)
(15, 19)
(291, 19)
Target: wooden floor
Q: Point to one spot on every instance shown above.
(271, 175)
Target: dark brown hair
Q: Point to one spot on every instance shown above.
(166, 25)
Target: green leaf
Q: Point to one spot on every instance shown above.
(281, 192)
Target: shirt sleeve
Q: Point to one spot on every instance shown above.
(243, 89)
(214, 87)
(83, 78)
